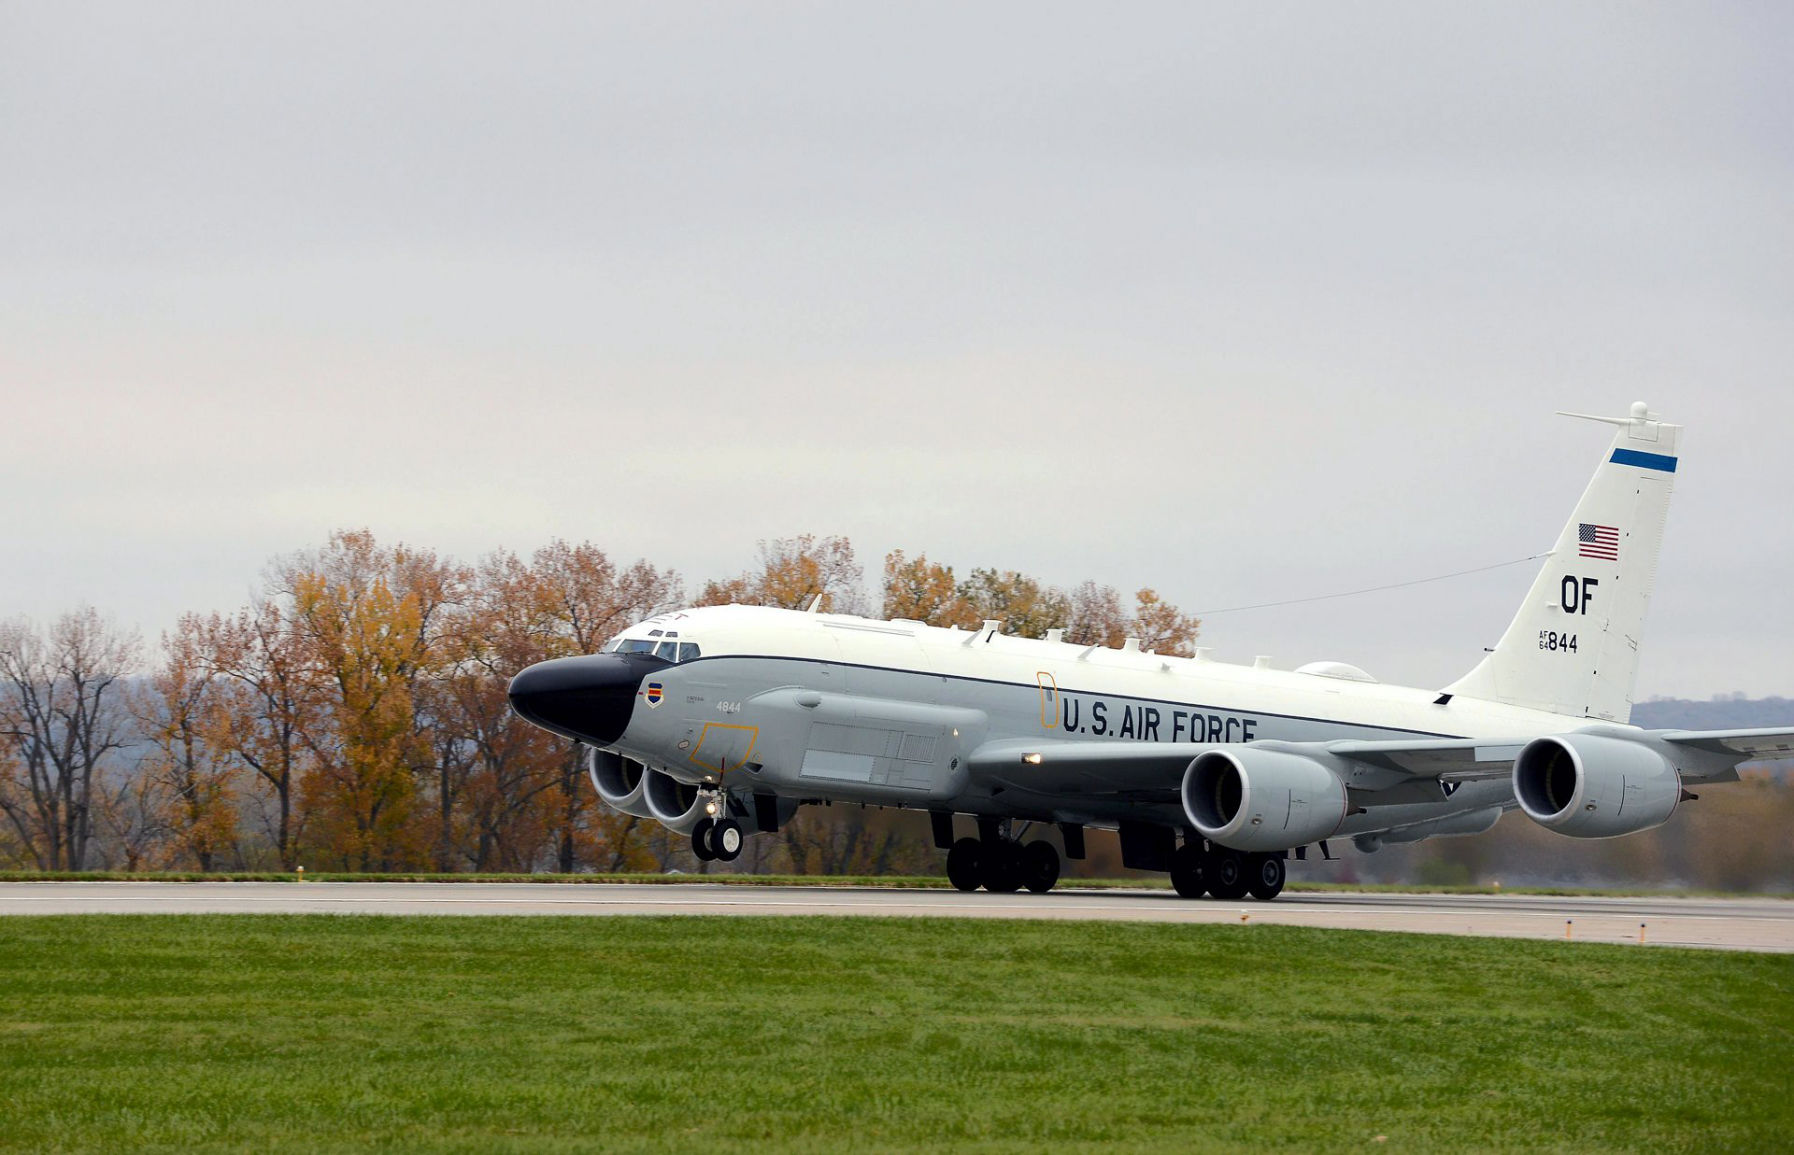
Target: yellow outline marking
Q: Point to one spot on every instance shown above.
(1049, 700)
(753, 740)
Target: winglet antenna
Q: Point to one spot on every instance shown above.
(1640, 412)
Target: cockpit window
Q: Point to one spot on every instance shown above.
(667, 650)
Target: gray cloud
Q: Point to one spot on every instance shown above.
(1242, 302)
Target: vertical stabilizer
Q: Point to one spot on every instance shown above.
(1573, 647)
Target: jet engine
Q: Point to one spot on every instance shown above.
(621, 782)
(1592, 786)
(1251, 799)
(671, 802)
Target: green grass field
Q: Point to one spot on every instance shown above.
(688, 1034)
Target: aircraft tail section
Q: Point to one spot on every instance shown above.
(1573, 646)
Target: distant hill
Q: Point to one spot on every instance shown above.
(1724, 712)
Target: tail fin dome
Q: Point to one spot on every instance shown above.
(1573, 646)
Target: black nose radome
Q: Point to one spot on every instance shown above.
(587, 698)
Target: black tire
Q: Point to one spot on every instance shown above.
(963, 869)
(700, 840)
(1040, 866)
(1225, 873)
(1265, 875)
(1001, 867)
(1186, 871)
(726, 840)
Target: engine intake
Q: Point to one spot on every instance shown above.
(1594, 786)
(621, 782)
(672, 803)
(1251, 799)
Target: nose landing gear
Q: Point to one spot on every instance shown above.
(716, 839)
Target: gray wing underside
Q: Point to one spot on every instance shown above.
(1153, 771)
(1141, 771)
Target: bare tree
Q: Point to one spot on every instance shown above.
(269, 697)
(61, 719)
(132, 810)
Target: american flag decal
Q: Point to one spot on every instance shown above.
(1602, 541)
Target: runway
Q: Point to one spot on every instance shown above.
(1757, 924)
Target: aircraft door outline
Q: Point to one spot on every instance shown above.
(1049, 700)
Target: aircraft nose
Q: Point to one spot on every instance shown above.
(587, 698)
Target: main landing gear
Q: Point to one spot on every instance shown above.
(716, 840)
(1002, 865)
(1226, 874)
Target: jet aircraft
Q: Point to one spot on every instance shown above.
(723, 720)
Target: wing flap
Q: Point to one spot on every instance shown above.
(1746, 745)
(1448, 759)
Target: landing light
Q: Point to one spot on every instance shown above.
(1031, 759)
(710, 808)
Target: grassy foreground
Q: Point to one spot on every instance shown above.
(816, 1034)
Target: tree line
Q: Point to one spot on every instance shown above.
(352, 716)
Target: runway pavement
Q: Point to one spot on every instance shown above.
(1738, 924)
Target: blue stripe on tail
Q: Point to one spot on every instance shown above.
(1643, 460)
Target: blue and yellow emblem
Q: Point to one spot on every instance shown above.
(654, 693)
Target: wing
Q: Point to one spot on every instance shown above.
(1144, 771)
(1748, 745)
(1379, 772)
(1153, 771)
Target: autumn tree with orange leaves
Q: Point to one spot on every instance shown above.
(794, 572)
(183, 715)
(519, 791)
(354, 714)
(1090, 614)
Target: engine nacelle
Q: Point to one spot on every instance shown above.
(1251, 799)
(621, 782)
(672, 803)
(1593, 786)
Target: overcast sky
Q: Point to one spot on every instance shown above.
(1245, 302)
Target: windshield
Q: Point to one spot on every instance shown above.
(661, 647)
